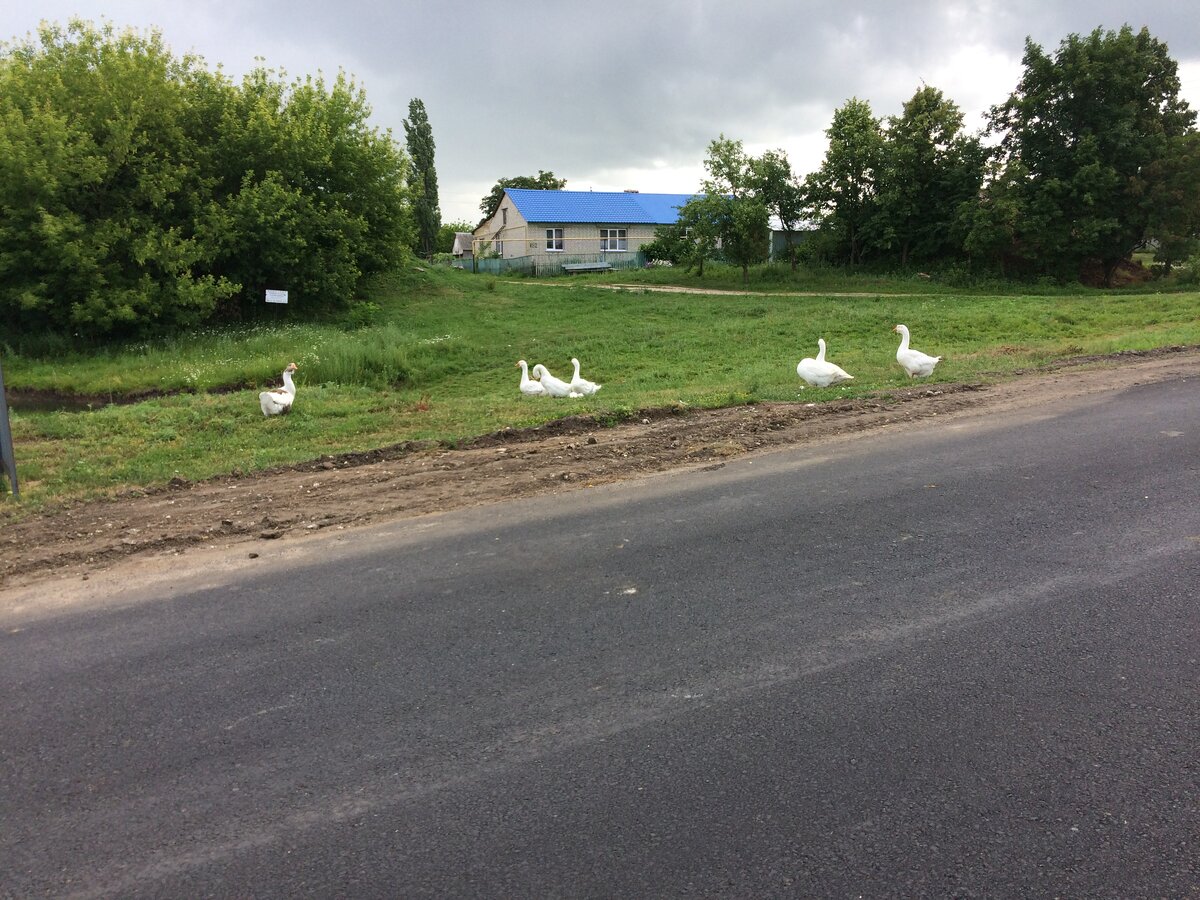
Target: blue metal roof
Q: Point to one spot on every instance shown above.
(621, 208)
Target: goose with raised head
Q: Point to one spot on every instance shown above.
(278, 401)
(529, 387)
(914, 362)
(555, 387)
(582, 385)
(819, 372)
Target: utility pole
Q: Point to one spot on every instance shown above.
(6, 444)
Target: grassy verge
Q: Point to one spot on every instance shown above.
(438, 360)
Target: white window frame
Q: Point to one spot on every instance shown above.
(554, 240)
(614, 240)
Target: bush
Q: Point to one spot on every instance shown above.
(1188, 275)
(143, 194)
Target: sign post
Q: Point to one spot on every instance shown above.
(276, 296)
(7, 459)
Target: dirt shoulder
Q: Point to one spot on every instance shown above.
(572, 454)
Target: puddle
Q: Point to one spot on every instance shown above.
(37, 400)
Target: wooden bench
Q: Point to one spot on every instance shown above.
(571, 268)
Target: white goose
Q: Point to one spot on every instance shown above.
(914, 362)
(820, 373)
(528, 385)
(582, 385)
(278, 401)
(555, 387)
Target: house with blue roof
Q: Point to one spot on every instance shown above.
(541, 231)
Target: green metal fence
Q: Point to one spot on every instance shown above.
(547, 264)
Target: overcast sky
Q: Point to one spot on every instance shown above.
(617, 94)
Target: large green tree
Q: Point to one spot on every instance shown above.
(930, 169)
(101, 174)
(782, 192)
(733, 206)
(994, 222)
(695, 236)
(544, 181)
(1171, 194)
(1088, 126)
(842, 194)
(307, 197)
(141, 193)
(729, 216)
(422, 178)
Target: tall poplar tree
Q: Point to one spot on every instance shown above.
(422, 177)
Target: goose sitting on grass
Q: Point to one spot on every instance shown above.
(278, 401)
(529, 387)
(582, 385)
(914, 362)
(819, 372)
(555, 387)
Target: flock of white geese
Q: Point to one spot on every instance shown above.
(543, 384)
(818, 371)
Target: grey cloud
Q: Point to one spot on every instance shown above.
(584, 89)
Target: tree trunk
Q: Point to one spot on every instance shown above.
(1110, 269)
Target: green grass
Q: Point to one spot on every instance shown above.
(437, 363)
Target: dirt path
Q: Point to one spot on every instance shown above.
(718, 292)
(573, 454)
(712, 292)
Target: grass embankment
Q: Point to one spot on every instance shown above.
(437, 362)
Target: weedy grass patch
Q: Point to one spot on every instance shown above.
(433, 358)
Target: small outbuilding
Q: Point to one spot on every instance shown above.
(462, 245)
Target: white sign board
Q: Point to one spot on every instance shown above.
(277, 296)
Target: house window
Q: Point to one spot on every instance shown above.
(613, 239)
(554, 239)
(499, 248)
(504, 216)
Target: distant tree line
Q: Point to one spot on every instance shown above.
(1094, 156)
(141, 193)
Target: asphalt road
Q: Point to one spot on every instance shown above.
(962, 661)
